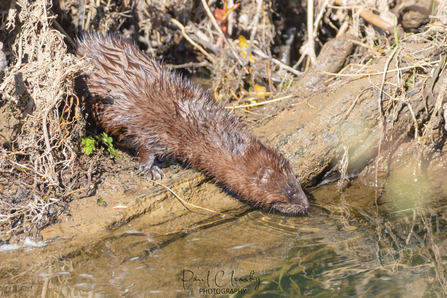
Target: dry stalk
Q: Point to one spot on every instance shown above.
(184, 202)
(252, 37)
(319, 17)
(370, 17)
(282, 65)
(253, 30)
(310, 47)
(260, 103)
(381, 72)
(185, 35)
(219, 31)
(381, 121)
(355, 102)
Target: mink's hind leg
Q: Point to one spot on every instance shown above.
(147, 159)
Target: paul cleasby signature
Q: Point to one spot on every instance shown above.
(220, 279)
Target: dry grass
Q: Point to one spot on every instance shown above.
(35, 87)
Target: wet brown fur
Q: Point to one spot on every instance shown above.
(165, 114)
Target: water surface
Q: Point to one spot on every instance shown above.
(350, 248)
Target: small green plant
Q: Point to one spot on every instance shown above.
(103, 137)
(101, 202)
(396, 35)
(409, 83)
(90, 144)
(408, 252)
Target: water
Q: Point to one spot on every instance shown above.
(356, 250)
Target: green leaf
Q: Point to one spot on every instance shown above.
(108, 141)
(89, 145)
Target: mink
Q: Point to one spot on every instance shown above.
(166, 115)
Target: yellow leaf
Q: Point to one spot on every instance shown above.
(243, 44)
(251, 59)
(260, 89)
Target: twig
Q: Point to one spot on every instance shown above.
(310, 48)
(59, 27)
(89, 172)
(230, 19)
(343, 28)
(355, 102)
(371, 17)
(184, 202)
(366, 46)
(382, 120)
(260, 103)
(253, 31)
(362, 66)
(234, 95)
(299, 61)
(182, 28)
(282, 65)
(45, 22)
(416, 126)
(319, 17)
(385, 71)
(269, 74)
(26, 168)
(376, 73)
(190, 65)
(216, 25)
(19, 56)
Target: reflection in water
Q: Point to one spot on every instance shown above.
(373, 253)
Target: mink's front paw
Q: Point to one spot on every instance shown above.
(151, 171)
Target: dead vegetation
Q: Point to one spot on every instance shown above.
(48, 124)
(256, 52)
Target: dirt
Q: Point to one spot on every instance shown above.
(142, 197)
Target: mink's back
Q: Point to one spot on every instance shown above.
(163, 114)
(156, 107)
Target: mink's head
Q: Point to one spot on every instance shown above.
(269, 182)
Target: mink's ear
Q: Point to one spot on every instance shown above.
(264, 176)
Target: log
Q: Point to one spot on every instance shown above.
(315, 134)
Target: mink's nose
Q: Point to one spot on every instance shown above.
(297, 196)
